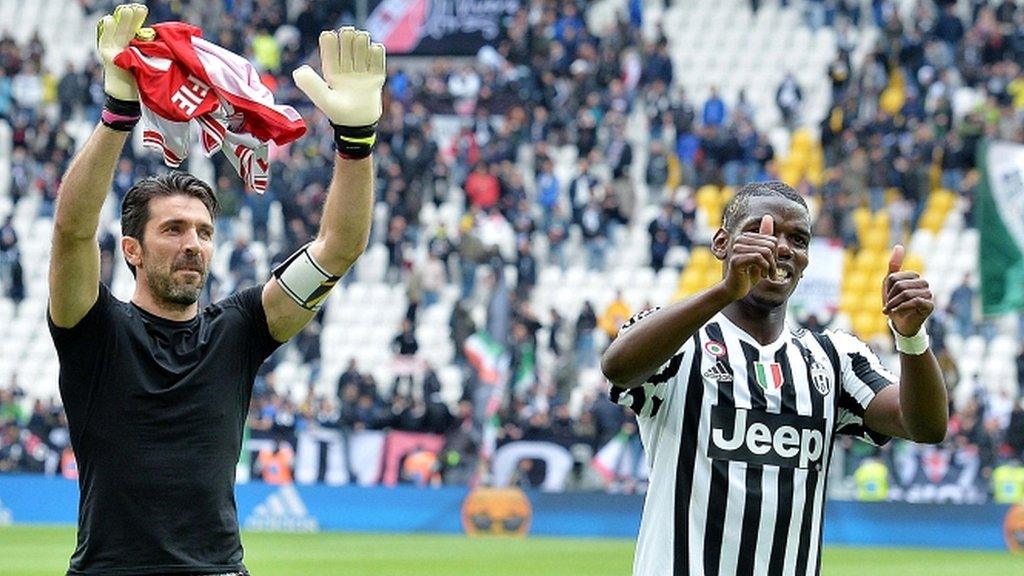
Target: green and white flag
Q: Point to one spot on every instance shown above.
(1000, 209)
(484, 352)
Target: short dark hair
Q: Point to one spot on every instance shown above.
(135, 205)
(737, 205)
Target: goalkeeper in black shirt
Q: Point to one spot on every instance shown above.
(157, 390)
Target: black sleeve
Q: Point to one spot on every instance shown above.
(87, 326)
(82, 350)
(249, 303)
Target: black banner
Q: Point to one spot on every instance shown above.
(438, 27)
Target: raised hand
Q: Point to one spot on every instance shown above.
(349, 93)
(906, 297)
(752, 259)
(113, 33)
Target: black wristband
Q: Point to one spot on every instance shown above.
(121, 115)
(355, 142)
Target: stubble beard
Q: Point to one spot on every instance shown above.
(178, 294)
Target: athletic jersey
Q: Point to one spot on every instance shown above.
(738, 438)
(156, 410)
(182, 78)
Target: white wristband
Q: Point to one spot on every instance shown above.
(914, 345)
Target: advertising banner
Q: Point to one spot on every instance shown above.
(438, 27)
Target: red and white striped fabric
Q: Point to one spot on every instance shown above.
(182, 78)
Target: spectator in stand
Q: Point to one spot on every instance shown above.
(586, 322)
(396, 243)
(714, 109)
(548, 193)
(615, 315)
(657, 172)
(482, 187)
(553, 87)
(789, 98)
(961, 307)
(526, 269)
(434, 278)
(594, 226)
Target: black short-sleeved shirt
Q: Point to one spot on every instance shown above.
(156, 410)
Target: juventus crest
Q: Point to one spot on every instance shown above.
(821, 378)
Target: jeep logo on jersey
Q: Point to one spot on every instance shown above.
(757, 437)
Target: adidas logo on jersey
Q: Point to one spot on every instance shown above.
(758, 437)
(282, 511)
(718, 372)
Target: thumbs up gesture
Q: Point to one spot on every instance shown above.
(754, 258)
(906, 298)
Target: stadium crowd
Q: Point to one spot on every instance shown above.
(548, 85)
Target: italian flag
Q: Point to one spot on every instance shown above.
(526, 371)
(484, 353)
(614, 460)
(768, 375)
(1000, 209)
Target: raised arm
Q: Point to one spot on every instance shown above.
(639, 352)
(349, 94)
(75, 258)
(916, 409)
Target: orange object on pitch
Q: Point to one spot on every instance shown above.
(276, 467)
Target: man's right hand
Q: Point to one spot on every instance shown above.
(752, 259)
(113, 33)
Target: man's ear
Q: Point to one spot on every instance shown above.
(720, 243)
(132, 249)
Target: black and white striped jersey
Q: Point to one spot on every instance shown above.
(738, 437)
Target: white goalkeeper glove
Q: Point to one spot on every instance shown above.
(113, 33)
(349, 93)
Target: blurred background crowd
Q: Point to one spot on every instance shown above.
(573, 151)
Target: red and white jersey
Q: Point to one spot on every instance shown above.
(182, 78)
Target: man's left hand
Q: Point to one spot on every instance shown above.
(349, 93)
(906, 297)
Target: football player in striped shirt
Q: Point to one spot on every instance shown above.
(739, 411)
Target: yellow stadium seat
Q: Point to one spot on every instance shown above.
(707, 194)
(711, 277)
(815, 175)
(881, 325)
(880, 267)
(914, 263)
(880, 220)
(875, 239)
(934, 175)
(798, 160)
(802, 141)
(847, 261)
(866, 260)
(854, 283)
(941, 200)
(849, 302)
(862, 220)
(863, 324)
(871, 299)
(932, 221)
(701, 257)
(714, 215)
(690, 283)
(790, 176)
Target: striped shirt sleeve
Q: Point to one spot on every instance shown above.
(863, 377)
(646, 400)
